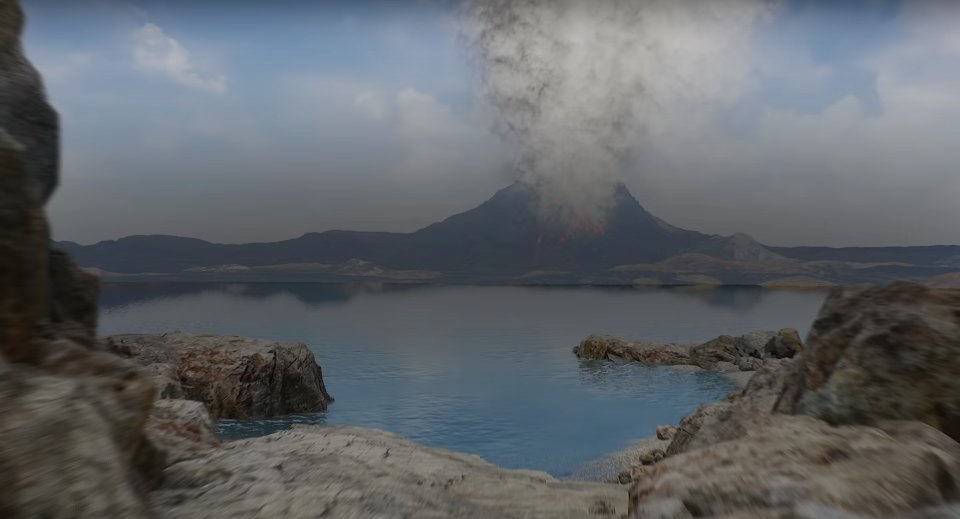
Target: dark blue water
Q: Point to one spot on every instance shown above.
(483, 370)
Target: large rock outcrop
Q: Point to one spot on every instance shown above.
(236, 377)
(71, 420)
(857, 424)
(347, 472)
(889, 352)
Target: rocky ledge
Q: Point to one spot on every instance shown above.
(861, 422)
(745, 353)
(236, 377)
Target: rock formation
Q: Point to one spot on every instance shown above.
(348, 472)
(857, 424)
(236, 377)
(725, 353)
(72, 441)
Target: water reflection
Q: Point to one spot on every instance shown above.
(482, 370)
(737, 299)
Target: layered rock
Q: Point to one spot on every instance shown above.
(857, 424)
(71, 420)
(181, 429)
(236, 377)
(747, 352)
(338, 471)
(881, 353)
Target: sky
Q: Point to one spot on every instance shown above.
(829, 123)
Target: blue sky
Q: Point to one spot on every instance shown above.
(831, 124)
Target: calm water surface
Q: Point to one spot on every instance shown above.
(483, 370)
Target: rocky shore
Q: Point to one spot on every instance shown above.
(861, 421)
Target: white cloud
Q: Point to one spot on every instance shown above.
(833, 178)
(156, 52)
(371, 105)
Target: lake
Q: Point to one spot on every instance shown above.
(485, 370)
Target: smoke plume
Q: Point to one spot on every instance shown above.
(575, 83)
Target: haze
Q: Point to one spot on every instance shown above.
(819, 123)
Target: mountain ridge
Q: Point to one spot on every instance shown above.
(504, 239)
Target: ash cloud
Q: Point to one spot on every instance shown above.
(575, 84)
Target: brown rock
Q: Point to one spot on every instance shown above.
(784, 345)
(666, 432)
(604, 346)
(236, 377)
(59, 456)
(24, 301)
(181, 428)
(74, 302)
(722, 421)
(781, 460)
(882, 353)
(708, 354)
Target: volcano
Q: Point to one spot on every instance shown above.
(503, 234)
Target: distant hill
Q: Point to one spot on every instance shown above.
(503, 241)
(502, 234)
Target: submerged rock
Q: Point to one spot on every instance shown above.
(236, 377)
(338, 471)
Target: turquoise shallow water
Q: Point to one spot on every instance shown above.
(483, 370)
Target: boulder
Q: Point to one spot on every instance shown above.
(605, 346)
(749, 363)
(61, 448)
(784, 345)
(708, 354)
(339, 471)
(236, 377)
(888, 352)
(666, 432)
(780, 461)
(752, 344)
(726, 420)
(181, 429)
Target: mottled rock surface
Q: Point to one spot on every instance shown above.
(604, 347)
(181, 429)
(882, 353)
(781, 460)
(784, 345)
(348, 472)
(236, 377)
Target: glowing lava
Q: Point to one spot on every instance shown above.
(576, 228)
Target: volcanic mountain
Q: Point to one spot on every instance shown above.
(501, 235)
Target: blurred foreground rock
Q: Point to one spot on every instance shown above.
(348, 472)
(72, 442)
(857, 424)
(236, 377)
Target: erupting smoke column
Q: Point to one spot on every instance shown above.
(570, 81)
